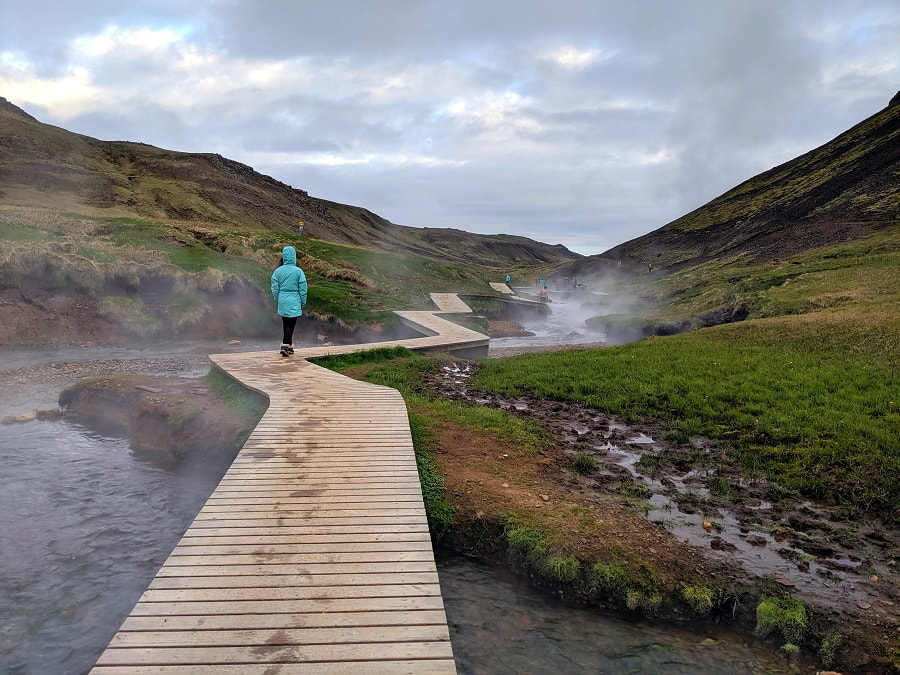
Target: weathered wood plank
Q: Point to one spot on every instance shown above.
(261, 558)
(299, 539)
(392, 667)
(334, 548)
(298, 599)
(423, 617)
(280, 636)
(277, 653)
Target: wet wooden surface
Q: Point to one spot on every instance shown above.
(312, 555)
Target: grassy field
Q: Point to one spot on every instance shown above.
(810, 401)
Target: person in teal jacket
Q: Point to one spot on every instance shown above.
(289, 289)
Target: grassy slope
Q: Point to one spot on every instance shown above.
(350, 284)
(840, 191)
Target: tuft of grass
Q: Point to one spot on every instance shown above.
(563, 569)
(784, 615)
(585, 464)
(612, 580)
(526, 542)
(719, 486)
(699, 598)
(647, 601)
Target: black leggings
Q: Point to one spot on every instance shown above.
(289, 322)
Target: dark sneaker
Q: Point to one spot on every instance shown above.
(286, 350)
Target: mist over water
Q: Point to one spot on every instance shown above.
(563, 326)
(85, 527)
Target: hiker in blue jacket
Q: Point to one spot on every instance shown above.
(289, 290)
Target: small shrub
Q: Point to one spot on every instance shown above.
(562, 568)
(585, 464)
(782, 614)
(699, 597)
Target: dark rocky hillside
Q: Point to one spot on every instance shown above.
(838, 192)
(49, 167)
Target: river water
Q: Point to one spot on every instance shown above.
(84, 525)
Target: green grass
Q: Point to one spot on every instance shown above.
(811, 403)
(526, 542)
(612, 580)
(563, 569)
(782, 614)
(248, 406)
(699, 598)
(585, 464)
(438, 510)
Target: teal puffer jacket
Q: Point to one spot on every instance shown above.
(289, 285)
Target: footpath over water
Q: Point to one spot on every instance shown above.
(313, 553)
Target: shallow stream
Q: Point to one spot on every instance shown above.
(84, 526)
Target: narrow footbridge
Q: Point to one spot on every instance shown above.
(313, 553)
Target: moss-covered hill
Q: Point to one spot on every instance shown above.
(842, 191)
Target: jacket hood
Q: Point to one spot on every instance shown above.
(289, 255)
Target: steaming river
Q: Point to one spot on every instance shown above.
(84, 526)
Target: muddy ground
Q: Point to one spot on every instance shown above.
(674, 508)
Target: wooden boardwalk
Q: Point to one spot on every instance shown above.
(313, 553)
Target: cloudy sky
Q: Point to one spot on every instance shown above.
(581, 122)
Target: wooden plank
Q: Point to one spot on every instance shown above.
(423, 617)
(234, 538)
(383, 547)
(289, 606)
(342, 557)
(387, 667)
(281, 530)
(309, 569)
(220, 578)
(276, 653)
(280, 636)
(184, 599)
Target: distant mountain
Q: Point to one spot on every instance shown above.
(46, 166)
(841, 191)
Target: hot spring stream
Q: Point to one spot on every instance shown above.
(84, 526)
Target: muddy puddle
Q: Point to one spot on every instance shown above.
(807, 549)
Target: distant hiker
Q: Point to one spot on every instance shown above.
(508, 279)
(289, 289)
(545, 294)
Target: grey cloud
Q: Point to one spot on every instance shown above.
(689, 98)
